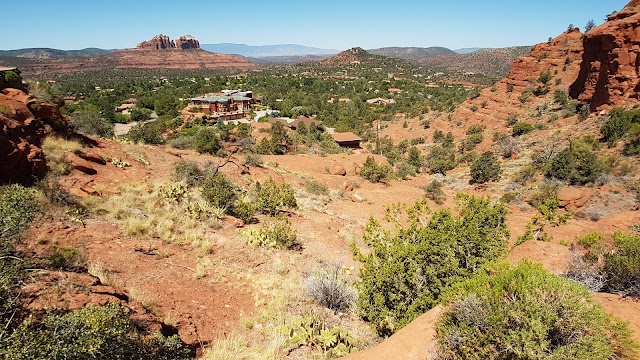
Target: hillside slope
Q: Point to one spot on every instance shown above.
(411, 53)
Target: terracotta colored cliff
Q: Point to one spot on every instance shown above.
(158, 42)
(187, 42)
(610, 71)
(23, 126)
(560, 56)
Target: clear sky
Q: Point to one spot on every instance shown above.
(332, 24)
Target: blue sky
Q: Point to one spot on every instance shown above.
(333, 24)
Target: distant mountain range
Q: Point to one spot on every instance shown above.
(466, 50)
(411, 53)
(263, 51)
(46, 53)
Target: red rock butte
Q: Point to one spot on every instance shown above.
(610, 70)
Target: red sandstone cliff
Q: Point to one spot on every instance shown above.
(610, 71)
(24, 122)
(561, 57)
(187, 42)
(157, 42)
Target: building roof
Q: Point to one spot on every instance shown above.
(218, 99)
(283, 121)
(125, 106)
(307, 121)
(7, 68)
(346, 136)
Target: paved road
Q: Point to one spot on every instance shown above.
(123, 129)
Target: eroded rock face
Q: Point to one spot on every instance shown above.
(24, 122)
(560, 56)
(157, 42)
(610, 75)
(163, 42)
(187, 42)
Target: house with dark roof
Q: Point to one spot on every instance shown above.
(307, 121)
(347, 139)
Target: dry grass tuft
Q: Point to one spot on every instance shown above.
(55, 149)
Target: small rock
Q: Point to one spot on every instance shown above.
(89, 190)
(338, 170)
(357, 198)
(349, 186)
(93, 157)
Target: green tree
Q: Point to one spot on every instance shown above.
(589, 26)
(407, 271)
(440, 160)
(207, 141)
(485, 168)
(375, 172)
(415, 158)
(91, 123)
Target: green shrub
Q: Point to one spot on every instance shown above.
(545, 76)
(470, 142)
(375, 172)
(207, 141)
(485, 168)
(253, 159)
(405, 170)
(219, 192)
(619, 123)
(95, 332)
(521, 128)
(18, 207)
(475, 129)
(65, 259)
(275, 233)
(150, 133)
(622, 266)
(440, 160)
(632, 144)
(438, 136)
(91, 123)
(433, 191)
(315, 187)
(528, 313)
(272, 198)
(415, 158)
(406, 271)
(577, 164)
(245, 211)
(189, 171)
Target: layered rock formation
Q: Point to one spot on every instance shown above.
(610, 71)
(24, 122)
(157, 42)
(187, 42)
(163, 42)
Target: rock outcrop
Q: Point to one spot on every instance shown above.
(187, 42)
(24, 122)
(610, 71)
(516, 93)
(157, 42)
(163, 42)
